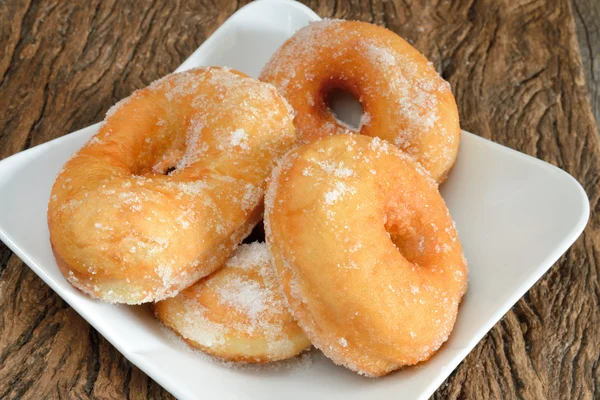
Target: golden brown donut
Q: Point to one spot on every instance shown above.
(237, 313)
(169, 186)
(404, 100)
(369, 258)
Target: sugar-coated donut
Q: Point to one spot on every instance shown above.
(237, 313)
(368, 257)
(169, 186)
(404, 100)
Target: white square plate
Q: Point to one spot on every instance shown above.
(515, 215)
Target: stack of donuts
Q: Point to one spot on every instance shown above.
(361, 259)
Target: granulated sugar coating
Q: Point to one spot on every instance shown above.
(374, 270)
(169, 186)
(404, 100)
(238, 312)
(292, 365)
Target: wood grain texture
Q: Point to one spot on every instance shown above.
(587, 24)
(518, 77)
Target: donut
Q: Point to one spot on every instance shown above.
(238, 313)
(171, 183)
(404, 100)
(368, 258)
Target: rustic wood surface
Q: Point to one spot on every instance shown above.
(518, 76)
(587, 23)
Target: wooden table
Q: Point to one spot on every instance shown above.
(516, 70)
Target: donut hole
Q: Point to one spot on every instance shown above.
(344, 107)
(409, 245)
(410, 242)
(170, 169)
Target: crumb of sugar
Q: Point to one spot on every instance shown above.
(248, 256)
(252, 196)
(365, 119)
(381, 55)
(239, 138)
(343, 172)
(244, 295)
(308, 171)
(338, 192)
